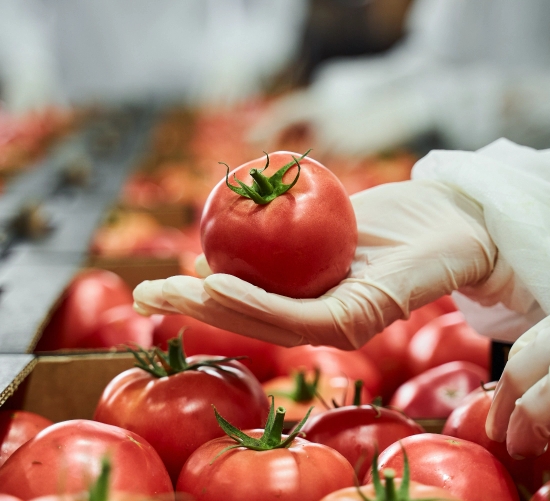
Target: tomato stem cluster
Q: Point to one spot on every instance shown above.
(272, 437)
(161, 364)
(99, 491)
(265, 189)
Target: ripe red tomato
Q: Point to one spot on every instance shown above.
(119, 326)
(467, 422)
(388, 350)
(438, 391)
(204, 338)
(331, 362)
(447, 338)
(63, 457)
(16, 428)
(329, 388)
(174, 413)
(300, 244)
(304, 471)
(89, 294)
(464, 469)
(358, 432)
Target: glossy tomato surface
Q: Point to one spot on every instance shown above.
(300, 244)
(174, 413)
(416, 491)
(447, 338)
(330, 361)
(64, 458)
(543, 494)
(302, 472)
(91, 293)
(204, 338)
(16, 428)
(120, 326)
(438, 391)
(329, 388)
(467, 422)
(466, 470)
(357, 432)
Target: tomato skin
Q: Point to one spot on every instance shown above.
(331, 362)
(119, 326)
(65, 456)
(92, 292)
(357, 432)
(388, 349)
(16, 428)
(302, 472)
(438, 391)
(463, 468)
(467, 422)
(204, 338)
(300, 244)
(329, 388)
(416, 491)
(174, 414)
(447, 338)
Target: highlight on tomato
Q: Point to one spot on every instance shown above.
(282, 222)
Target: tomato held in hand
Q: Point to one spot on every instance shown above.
(299, 243)
(170, 403)
(16, 428)
(263, 464)
(466, 470)
(437, 392)
(359, 431)
(467, 422)
(67, 455)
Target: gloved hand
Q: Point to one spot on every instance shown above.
(520, 413)
(418, 240)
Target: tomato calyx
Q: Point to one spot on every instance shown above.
(162, 364)
(272, 438)
(388, 491)
(99, 491)
(265, 189)
(303, 390)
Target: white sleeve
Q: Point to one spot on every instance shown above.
(512, 183)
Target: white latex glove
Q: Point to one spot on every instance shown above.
(418, 240)
(520, 413)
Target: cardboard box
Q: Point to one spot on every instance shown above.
(63, 387)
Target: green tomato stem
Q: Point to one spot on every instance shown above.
(264, 186)
(176, 355)
(276, 432)
(357, 394)
(389, 476)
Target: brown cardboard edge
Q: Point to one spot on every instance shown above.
(12, 387)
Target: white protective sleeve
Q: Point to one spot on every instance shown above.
(512, 183)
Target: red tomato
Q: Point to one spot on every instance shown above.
(388, 350)
(204, 338)
(16, 428)
(467, 422)
(337, 388)
(118, 326)
(438, 391)
(464, 469)
(357, 432)
(174, 413)
(304, 471)
(543, 494)
(447, 338)
(63, 457)
(7, 497)
(331, 362)
(417, 491)
(91, 293)
(300, 244)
